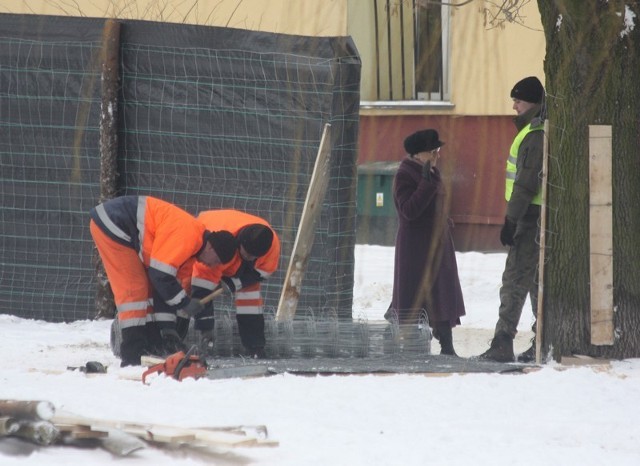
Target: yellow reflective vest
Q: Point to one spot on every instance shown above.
(512, 163)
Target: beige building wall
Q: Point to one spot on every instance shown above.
(486, 63)
(302, 17)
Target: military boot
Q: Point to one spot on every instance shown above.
(530, 354)
(501, 349)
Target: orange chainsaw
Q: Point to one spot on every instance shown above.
(180, 366)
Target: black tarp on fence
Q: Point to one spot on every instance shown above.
(207, 118)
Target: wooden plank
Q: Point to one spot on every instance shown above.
(164, 433)
(601, 234)
(543, 244)
(148, 361)
(290, 295)
(159, 434)
(87, 434)
(582, 360)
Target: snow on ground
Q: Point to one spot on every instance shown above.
(556, 415)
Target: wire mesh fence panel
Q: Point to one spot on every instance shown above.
(208, 118)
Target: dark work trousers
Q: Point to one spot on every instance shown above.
(520, 276)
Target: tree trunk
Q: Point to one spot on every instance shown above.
(592, 71)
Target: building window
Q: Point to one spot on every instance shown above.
(404, 47)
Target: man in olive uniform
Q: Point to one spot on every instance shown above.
(521, 228)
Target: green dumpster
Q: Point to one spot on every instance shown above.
(377, 221)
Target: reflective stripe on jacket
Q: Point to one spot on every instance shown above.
(512, 163)
(164, 236)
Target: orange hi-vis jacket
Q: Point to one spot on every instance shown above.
(204, 278)
(164, 236)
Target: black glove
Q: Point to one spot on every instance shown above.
(247, 274)
(426, 171)
(193, 308)
(508, 232)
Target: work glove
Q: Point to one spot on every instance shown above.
(508, 232)
(426, 171)
(193, 308)
(248, 275)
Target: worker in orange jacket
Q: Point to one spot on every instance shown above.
(143, 242)
(257, 258)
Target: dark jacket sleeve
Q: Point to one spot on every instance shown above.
(412, 193)
(528, 172)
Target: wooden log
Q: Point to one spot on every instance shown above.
(8, 426)
(39, 432)
(28, 410)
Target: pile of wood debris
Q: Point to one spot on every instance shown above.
(39, 423)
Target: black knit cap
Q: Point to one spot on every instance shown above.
(528, 89)
(422, 141)
(256, 239)
(224, 244)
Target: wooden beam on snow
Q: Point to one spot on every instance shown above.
(601, 234)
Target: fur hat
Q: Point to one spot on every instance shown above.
(528, 89)
(224, 244)
(422, 141)
(256, 239)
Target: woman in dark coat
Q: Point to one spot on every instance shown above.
(426, 271)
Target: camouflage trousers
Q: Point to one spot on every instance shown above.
(520, 277)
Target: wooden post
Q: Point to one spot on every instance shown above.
(543, 239)
(109, 110)
(108, 147)
(306, 230)
(601, 235)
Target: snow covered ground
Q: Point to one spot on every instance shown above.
(554, 416)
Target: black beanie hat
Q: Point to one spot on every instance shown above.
(224, 244)
(528, 89)
(422, 141)
(256, 239)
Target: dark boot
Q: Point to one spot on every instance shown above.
(442, 333)
(171, 342)
(251, 330)
(530, 354)
(133, 345)
(154, 339)
(501, 349)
